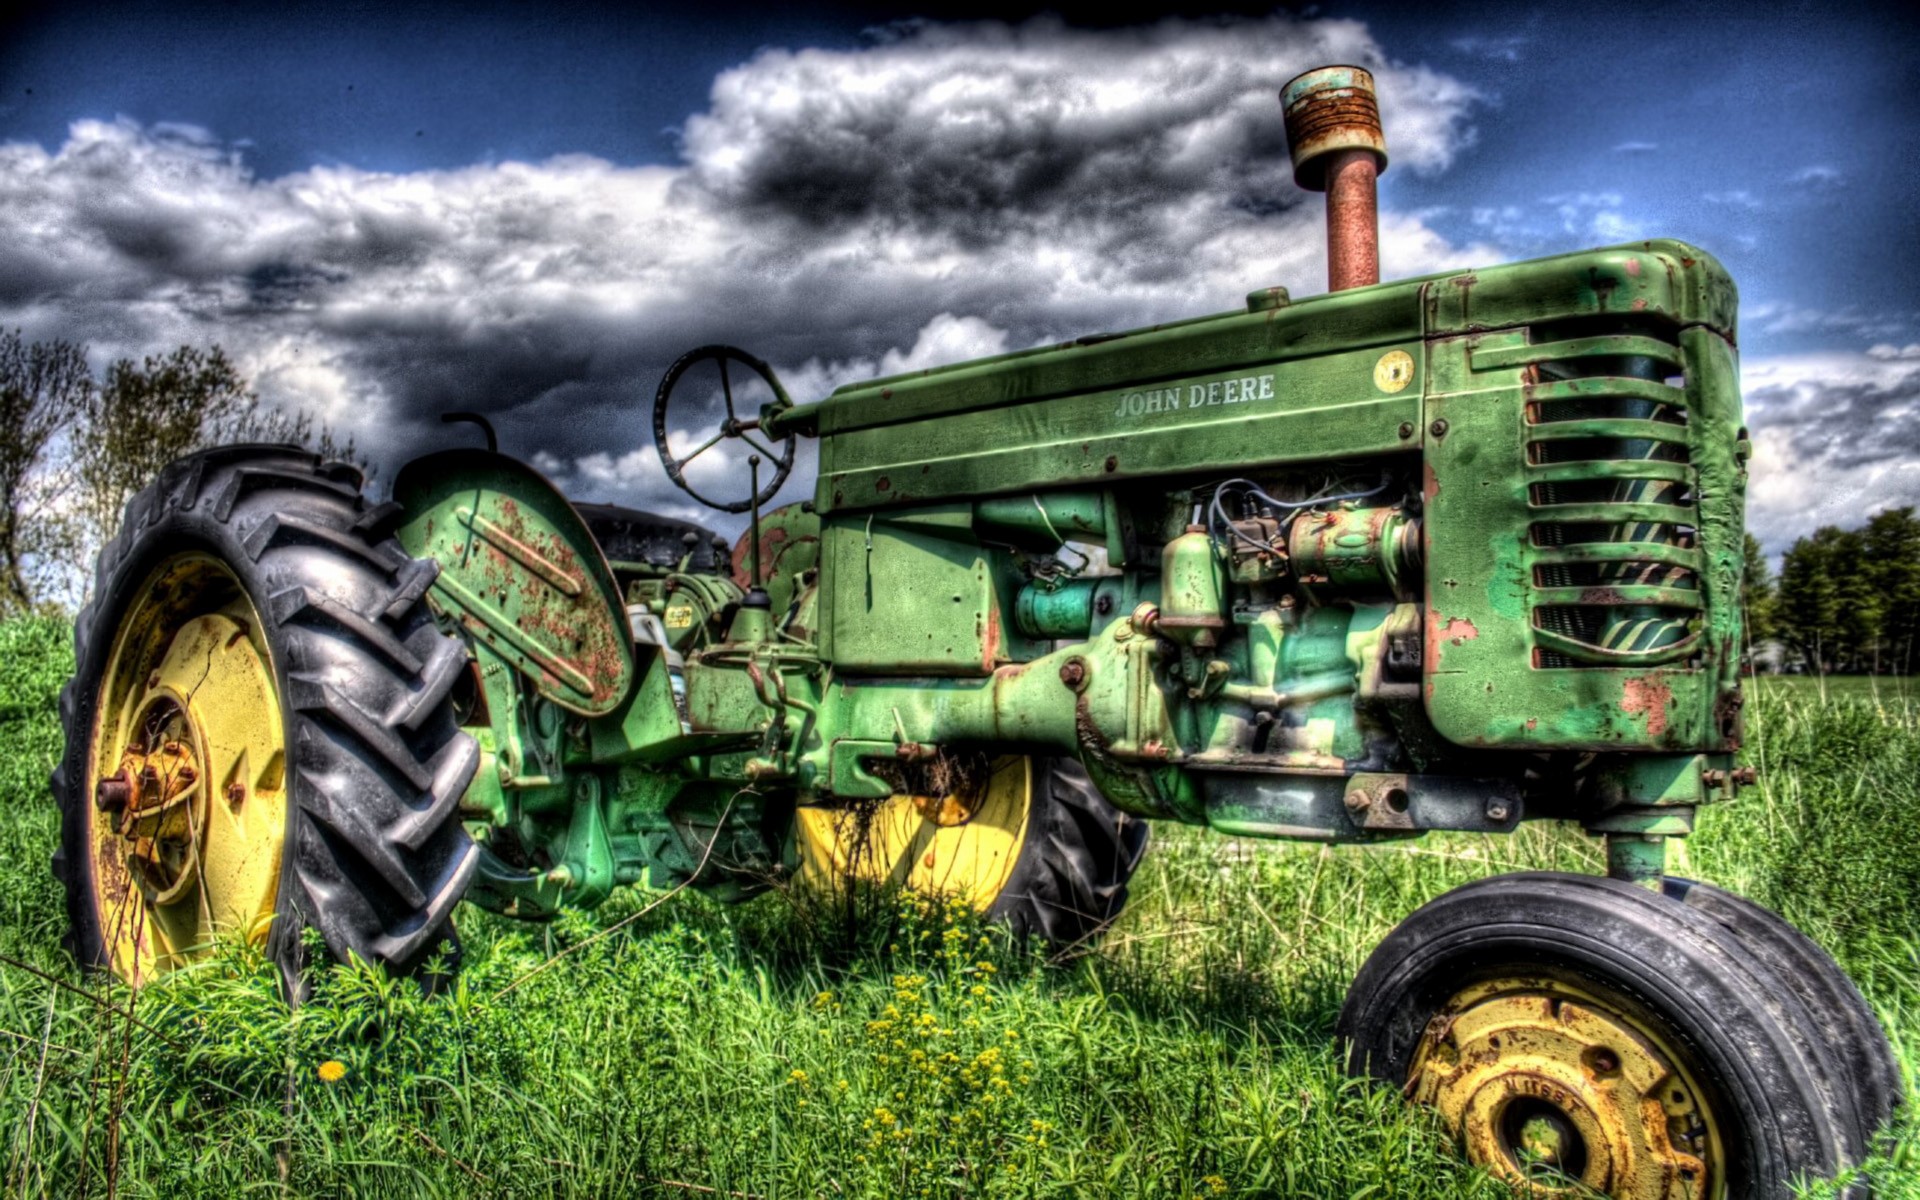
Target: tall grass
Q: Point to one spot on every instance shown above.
(706, 1051)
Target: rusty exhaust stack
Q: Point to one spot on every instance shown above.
(1333, 129)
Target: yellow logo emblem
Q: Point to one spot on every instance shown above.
(1394, 371)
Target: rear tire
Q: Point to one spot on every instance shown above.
(1070, 880)
(281, 546)
(1031, 845)
(1551, 992)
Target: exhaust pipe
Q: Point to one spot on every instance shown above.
(1333, 131)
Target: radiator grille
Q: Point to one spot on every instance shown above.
(1616, 562)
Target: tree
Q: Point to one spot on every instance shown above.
(1810, 597)
(44, 387)
(1757, 595)
(144, 416)
(1892, 565)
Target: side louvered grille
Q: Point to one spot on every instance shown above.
(1616, 563)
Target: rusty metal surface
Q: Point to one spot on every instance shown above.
(521, 573)
(1353, 220)
(1565, 1091)
(1333, 131)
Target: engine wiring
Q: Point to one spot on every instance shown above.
(1217, 518)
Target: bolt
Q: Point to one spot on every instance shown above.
(1497, 811)
(1438, 429)
(111, 794)
(1746, 776)
(1406, 430)
(1358, 799)
(1073, 673)
(236, 792)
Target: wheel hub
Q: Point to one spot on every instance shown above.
(189, 812)
(1559, 1090)
(164, 808)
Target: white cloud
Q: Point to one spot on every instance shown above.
(1817, 176)
(1836, 439)
(945, 192)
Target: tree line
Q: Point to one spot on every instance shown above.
(1847, 601)
(75, 448)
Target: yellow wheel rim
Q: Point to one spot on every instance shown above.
(186, 773)
(1561, 1089)
(964, 845)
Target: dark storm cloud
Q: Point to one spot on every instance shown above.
(1846, 422)
(1837, 438)
(941, 193)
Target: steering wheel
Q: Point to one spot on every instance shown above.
(731, 426)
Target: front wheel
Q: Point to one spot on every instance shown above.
(260, 736)
(1588, 1036)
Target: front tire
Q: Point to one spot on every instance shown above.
(1574, 1030)
(259, 732)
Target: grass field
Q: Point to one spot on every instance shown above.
(701, 1051)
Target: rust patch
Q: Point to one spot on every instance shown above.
(990, 641)
(1633, 266)
(883, 484)
(1458, 630)
(772, 541)
(1640, 304)
(1648, 696)
(1430, 486)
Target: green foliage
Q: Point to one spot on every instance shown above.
(760, 1052)
(1758, 595)
(1849, 600)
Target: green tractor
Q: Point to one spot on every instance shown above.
(1445, 553)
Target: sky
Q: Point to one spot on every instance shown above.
(386, 212)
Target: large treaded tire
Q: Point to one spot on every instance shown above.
(375, 856)
(1070, 879)
(1781, 1093)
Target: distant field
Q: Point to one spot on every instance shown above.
(704, 1051)
(1883, 689)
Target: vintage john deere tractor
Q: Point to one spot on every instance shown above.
(1446, 553)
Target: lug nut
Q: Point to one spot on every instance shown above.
(236, 792)
(112, 794)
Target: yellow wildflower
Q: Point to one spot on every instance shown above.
(332, 1071)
